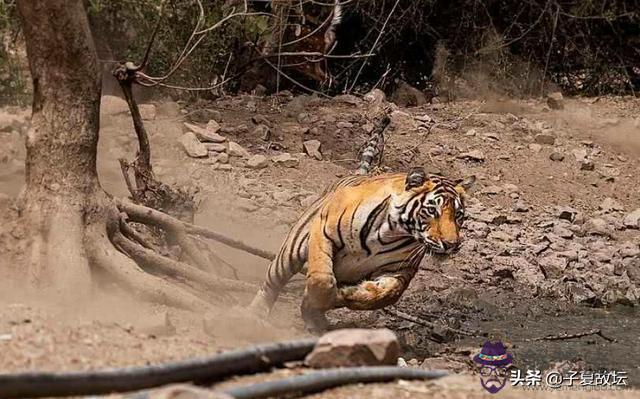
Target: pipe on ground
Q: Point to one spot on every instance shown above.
(209, 369)
(317, 381)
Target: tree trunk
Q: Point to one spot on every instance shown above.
(73, 226)
(61, 176)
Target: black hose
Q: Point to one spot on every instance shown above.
(320, 380)
(214, 368)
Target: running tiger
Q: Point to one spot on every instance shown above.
(363, 240)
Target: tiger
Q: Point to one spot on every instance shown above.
(361, 242)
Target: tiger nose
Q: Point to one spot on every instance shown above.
(451, 246)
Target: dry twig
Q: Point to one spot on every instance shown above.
(564, 336)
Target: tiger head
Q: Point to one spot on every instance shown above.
(432, 209)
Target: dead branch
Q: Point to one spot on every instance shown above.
(125, 74)
(402, 315)
(564, 336)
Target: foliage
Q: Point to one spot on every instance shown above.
(124, 27)
(588, 46)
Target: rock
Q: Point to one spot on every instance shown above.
(535, 147)
(500, 236)
(597, 226)
(259, 90)
(526, 273)
(368, 127)
(375, 96)
(216, 147)
(224, 167)
(112, 105)
(424, 119)
(263, 132)
(402, 122)
(556, 156)
(406, 95)
(587, 165)
(213, 126)
(510, 188)
(312, 148)
(236, 150)
(156, 324)
(347, 99)
(205, 134)
(204, 115)
(261, 120)
(193, 147)
(471, 133)
(147, 112)
(610, 205)
(632, 220)
(258, 161)
(629, 250)
(633, 271)
(473, 155)
(184, 391)
(562, 232)
(286, 160)
(555, 100)
(520, 206)
(552, 266)
(580, 154)
(479, 229)
(283, 197)
(545, 139)
(580, 294)
(223, 158)
(570, 255)
(566, 213)
(344, 125)
(168, 109)
(355, 347)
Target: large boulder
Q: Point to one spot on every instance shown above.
(355, 347)
(406, 95)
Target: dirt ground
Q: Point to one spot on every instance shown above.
(525, 271)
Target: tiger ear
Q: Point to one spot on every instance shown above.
(466, 184)
(415, 178)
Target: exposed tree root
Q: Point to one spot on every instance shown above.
(155, 263)
(142, 214)
(126, 272)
